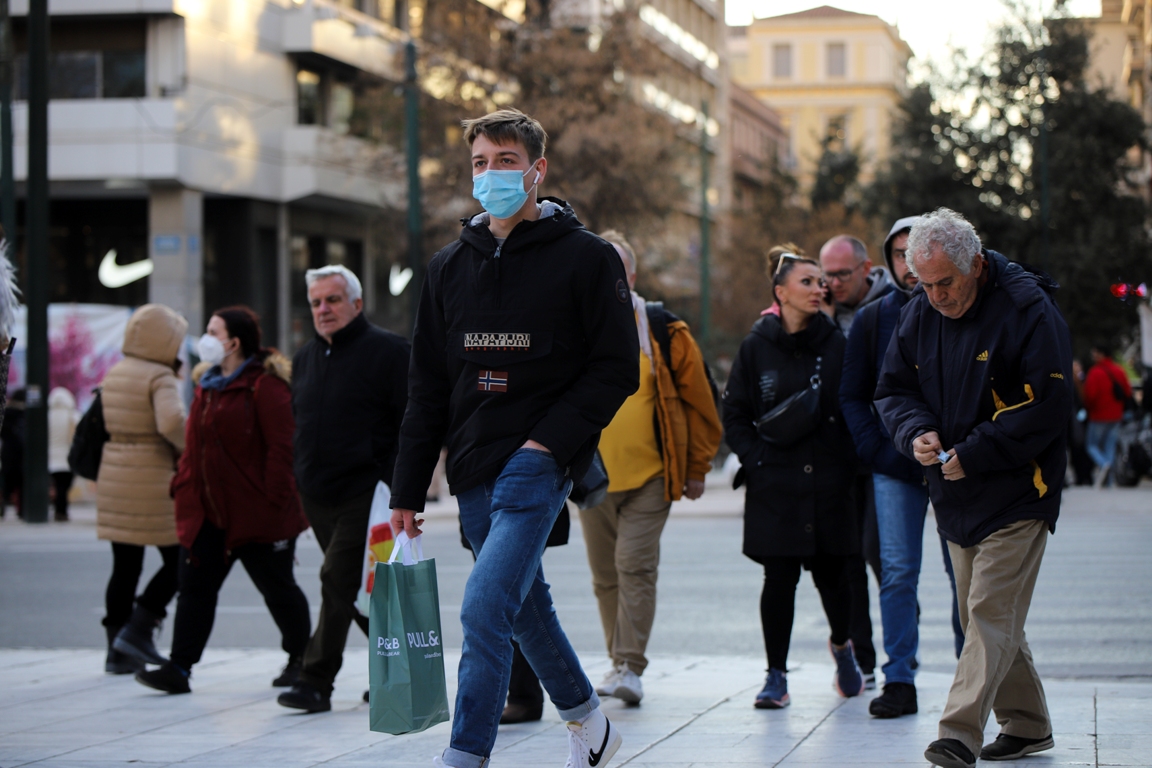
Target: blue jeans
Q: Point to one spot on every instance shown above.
(1101, 441)
(900, 511)
(507, 521)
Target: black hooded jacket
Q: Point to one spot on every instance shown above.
(797, 500)
(996, 384)
(534, 339)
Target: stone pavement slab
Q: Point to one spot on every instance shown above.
(58, 710)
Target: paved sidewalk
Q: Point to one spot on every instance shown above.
(58, 710)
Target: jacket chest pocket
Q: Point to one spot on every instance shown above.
(500, 338)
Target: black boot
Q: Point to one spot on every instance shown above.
(898, 699)
(116, 663)
(291, 673)
(305, 697)
(169, 678)
(135, 639)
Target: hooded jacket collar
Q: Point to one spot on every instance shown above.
(358, 325)
(813, 337)
(556, 219)
(902, 225)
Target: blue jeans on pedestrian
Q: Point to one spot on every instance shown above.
(1101, 441)
(901, 508)
(507, 521)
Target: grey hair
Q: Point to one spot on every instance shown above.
(947, 231)
(354, 291)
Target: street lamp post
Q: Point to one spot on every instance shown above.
(7, 180)
(35, 490)
(412, 146)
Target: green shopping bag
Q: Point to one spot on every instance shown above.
(407, 692)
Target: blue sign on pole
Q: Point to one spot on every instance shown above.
(166, 245)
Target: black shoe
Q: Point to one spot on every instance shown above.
(116, 663)
(291, 673)
(521, 713)
(304, 696)
(365, 697)
(135, 638)
(898, 699)
(168, 678)
(950, 753)
(1013, 747)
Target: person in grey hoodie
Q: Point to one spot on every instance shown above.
(855, 283)
(853, 280)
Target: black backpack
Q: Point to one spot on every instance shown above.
(88, 442)
(658, 319)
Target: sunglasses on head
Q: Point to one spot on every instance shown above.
(780, 263)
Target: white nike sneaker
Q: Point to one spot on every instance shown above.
(608, 685)
(593, 742)
(629, 688)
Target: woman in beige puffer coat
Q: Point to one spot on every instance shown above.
(144, 416)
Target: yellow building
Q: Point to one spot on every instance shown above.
(828, 72)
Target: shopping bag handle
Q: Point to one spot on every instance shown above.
(413, 549)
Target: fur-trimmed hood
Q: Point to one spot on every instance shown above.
(275, 363)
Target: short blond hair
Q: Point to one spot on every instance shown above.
(618, 239)
(508, 126)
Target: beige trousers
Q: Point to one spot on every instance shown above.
(994, 584)
(622, 534)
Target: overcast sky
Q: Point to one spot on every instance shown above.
(928, 26)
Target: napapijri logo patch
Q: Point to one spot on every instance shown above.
(493, 381)
(494, 342)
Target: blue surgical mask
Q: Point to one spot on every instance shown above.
(502, 193)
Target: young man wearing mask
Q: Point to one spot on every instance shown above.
(524, 348)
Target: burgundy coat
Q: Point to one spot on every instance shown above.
(236, 469)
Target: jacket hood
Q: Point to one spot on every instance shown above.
(1024, 284)
(556, 219)
(275, 364)
(61, 397)
(154, 333)
(902, 225)
(771, 328)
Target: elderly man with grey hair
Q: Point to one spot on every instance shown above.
(976, 386)
(349, 391)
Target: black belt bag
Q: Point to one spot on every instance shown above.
(795, 418)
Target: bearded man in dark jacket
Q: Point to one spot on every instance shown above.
(524, 348)
(900, 488)
(976, 387)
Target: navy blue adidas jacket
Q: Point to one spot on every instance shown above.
(996, 385)
(872, 329)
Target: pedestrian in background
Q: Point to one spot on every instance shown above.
(901, 490)
(797, 504)
(1106, 391)
(977, 388)
(348, 396)
(855, 284)
(62, 420)
(144, 416)
(235, 495)
(657, 449)
(12, 453)
(524, 349)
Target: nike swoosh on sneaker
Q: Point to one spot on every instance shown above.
(594, 756)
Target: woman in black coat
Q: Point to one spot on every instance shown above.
(797, 508)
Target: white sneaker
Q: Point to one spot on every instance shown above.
(629, 689)
(593, 742)
(608, 685)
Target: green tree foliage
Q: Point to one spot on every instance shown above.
(836, 174)
(976, 144)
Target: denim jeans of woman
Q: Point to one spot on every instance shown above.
(1101, 441)
(901, 508)
(507, 521)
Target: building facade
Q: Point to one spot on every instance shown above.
(829, 73)
(229, 144)
(758, 146)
